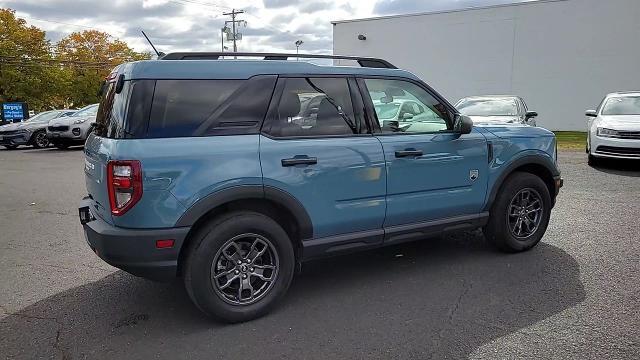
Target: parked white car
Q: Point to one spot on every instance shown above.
(614, 129)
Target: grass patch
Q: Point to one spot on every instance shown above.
(571, 140)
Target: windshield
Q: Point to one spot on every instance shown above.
(488, 107)
(387, 111)
(629, 105)
(86, 111)
(44, 116)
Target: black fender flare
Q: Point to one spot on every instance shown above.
(512, 166)
(247, 192)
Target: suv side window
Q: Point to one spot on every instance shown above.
(402, 106)
(314, 107)
(209, 107)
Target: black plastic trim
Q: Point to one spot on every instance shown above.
(525, 160)
(246, 192)
(362, 61)
(401, 233)
(368, 239)
(134, 250)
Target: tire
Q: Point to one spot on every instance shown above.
(40, 140)
(592, 160)
(205, 258)
(62, 146)
(11, 147)
(502, 229)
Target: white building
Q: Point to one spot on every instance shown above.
(562, 56)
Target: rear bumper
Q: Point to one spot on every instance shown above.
(133, 250)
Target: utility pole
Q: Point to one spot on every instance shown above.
(233, 22)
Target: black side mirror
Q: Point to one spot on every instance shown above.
(591, 113)
(463, 124)
(531, 114)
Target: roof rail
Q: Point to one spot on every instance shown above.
(363, 61)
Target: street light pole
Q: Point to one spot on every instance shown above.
(298, 43)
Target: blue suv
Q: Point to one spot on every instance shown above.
(231, 173)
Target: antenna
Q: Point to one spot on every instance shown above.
(158, 53)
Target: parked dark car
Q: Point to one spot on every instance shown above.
(32, 132)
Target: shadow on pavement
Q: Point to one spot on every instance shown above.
(438, 298)
(624, 167)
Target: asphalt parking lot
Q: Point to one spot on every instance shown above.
(576, 295)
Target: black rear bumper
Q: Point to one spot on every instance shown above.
(133, 250)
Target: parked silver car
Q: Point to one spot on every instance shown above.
(74, 129)
(492, 109)
(32, 132)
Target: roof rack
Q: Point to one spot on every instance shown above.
(362, 61)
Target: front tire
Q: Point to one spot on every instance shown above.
(239, 266)
(40, 140)
(520, 214)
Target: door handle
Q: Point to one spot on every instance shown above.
(299, 160)
(408, 153)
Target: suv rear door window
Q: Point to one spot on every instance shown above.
(209, 107)
(314, 107)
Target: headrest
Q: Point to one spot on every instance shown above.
(289, 105)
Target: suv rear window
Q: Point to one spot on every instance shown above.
(132, 103)
(180, 108)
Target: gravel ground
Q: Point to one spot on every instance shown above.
(576, 295)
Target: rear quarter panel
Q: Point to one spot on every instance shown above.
(177, 172)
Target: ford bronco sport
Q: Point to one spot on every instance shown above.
(231, 173)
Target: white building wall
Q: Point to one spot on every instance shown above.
(562, 56)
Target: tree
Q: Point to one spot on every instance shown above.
(89, 56)
(25, 74)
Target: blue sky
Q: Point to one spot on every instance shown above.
(190, 25)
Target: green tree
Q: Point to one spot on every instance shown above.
(25, 71)
(89, 56)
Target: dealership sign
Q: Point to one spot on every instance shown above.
(15, 111)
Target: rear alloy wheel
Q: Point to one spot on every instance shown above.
(244, 269)
(238, 266)
(520, 213)
(40, 140)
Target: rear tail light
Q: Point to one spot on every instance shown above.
(124, 180)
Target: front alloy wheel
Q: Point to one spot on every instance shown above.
(244, 269)
(525, 213)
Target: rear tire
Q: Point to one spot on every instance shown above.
(515, 223)
(235, 292)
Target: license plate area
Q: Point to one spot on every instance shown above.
(85, 215)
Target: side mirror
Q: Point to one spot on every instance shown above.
(591, 113)
(531, 114)
(463, 124)
(407, 116)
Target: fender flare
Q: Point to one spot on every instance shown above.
(248, 192)
(544, 161)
